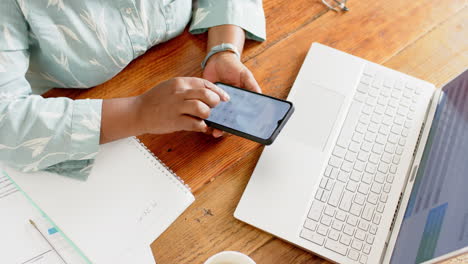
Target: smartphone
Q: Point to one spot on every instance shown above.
(251, 115)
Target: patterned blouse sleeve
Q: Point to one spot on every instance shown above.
(55, 134)
(247, 14)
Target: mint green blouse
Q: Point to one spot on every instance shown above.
(80, 44)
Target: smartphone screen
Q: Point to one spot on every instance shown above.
(250, 113)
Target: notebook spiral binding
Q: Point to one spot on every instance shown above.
(163, 164)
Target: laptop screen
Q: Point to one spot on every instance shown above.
(436, 219)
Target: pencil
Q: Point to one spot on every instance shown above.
(50, 244)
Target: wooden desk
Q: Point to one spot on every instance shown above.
(424, 38)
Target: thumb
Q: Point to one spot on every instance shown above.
(248, 81)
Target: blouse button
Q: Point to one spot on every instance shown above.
(128, 10)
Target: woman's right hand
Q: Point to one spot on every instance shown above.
(178, 104)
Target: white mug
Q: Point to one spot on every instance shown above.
(229, 257)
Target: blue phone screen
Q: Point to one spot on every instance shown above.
(250, 113)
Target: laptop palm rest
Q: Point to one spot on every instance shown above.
(321, 109)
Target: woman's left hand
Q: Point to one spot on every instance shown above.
(226, 67)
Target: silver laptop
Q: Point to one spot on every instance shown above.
(339, 179)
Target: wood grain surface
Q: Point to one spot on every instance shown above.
(424, 38)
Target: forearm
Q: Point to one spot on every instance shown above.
(119, 119)
(226, 34)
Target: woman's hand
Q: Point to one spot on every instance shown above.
(173, 105)
(226, 67)
(178, 104)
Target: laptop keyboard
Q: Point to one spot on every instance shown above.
(348, 205)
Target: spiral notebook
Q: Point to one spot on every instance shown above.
(129, 199)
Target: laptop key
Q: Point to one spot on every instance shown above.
(343, 176)
(337, 225)
(311, 236)
(366, 146)
(334, 173)
(379, 177)
(351, 186)
(323, 183)
(326, 220)
(355, 176)
(377, 218)
(345, 240)
(366, 178)
(336, 247)
(340, 215)
(336, 194)
(361, 235)
(311, 225)
(319, 194)
(345, 204)
(315, 210)
(329, 185)
(356, 244)
(363, 259)
(363, 88)
(363, 225)
(322, 230)
(339, 152)
(352, 220)
(366, 249)
(368, 212)
(383, 198)
(351, 156)
(376, 187)
(355, 209)
(360, 199)
(349, 230)
(329, 210)
(328, 171)
(307, 234)
(363, 188)
(335, 161)
(387, 187)
(390, 178)
(325, 196)
(333, 234)
(354, 255)
(380, 207)
(372, 198)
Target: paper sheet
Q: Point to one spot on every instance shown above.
(21, 242)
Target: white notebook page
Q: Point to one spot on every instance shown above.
(129, 199)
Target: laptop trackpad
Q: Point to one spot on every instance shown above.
(316, 113)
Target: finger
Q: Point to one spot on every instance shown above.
(196, 108)
(249, 82)
(190, 123)
(209, 130)
(202, 83)
(217, 133)
(207, 96)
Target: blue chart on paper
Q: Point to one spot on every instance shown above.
(436, 219)
(52, 231)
